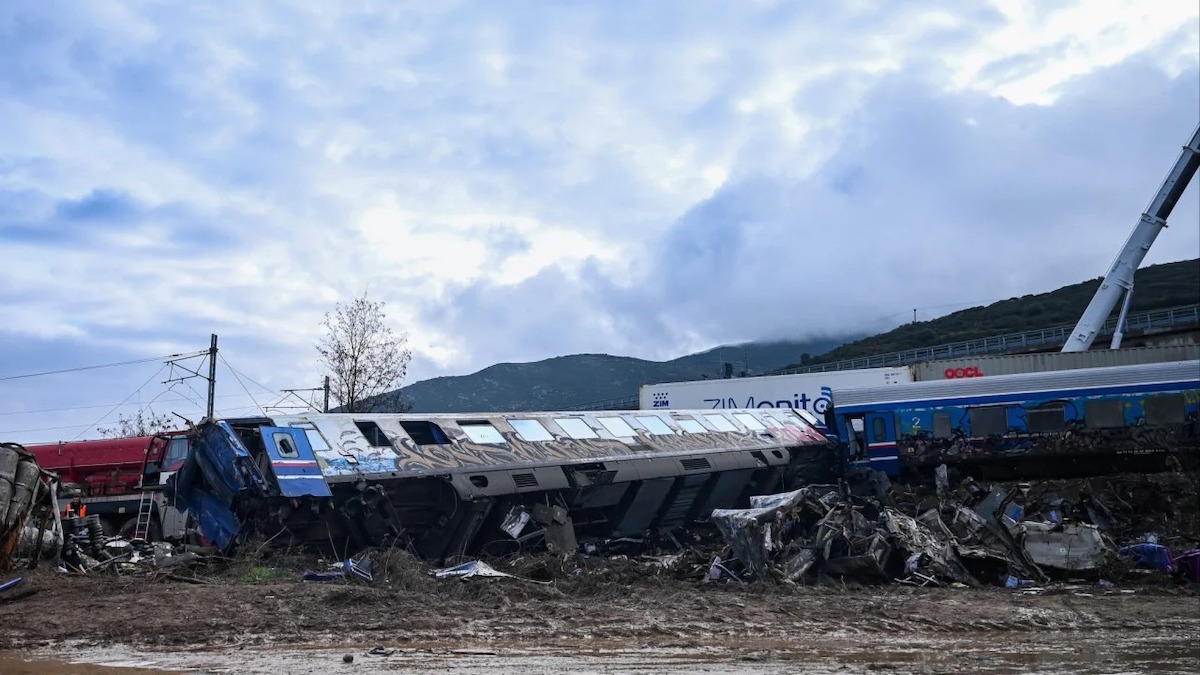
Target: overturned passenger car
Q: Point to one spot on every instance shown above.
(455, 484)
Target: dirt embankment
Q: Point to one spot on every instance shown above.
(650, 612)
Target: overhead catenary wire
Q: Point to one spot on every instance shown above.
(131, 395)
(237, 377)
(102, 365)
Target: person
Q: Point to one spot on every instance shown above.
(76, 507)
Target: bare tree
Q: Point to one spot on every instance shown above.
(364, 357)
(145, 423)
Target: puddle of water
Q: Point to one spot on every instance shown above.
(13, 663)
(1046, 653)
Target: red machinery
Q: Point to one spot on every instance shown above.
(108, 473)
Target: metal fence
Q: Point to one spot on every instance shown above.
(1159, 319)
(1012, 342)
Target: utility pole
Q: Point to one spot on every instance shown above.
(326, 408)
(212, 374)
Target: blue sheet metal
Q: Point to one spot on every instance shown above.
(294, 463)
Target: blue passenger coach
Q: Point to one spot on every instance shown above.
(1076, 422)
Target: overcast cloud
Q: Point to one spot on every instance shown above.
(523, 180)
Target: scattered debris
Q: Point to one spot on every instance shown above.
(474, 568)
(969, 534)
(348, 568)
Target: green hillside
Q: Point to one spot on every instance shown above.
(1157, 287)
(567, 381)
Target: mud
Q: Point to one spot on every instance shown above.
(247, 624)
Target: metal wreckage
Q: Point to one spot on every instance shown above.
(452, 487)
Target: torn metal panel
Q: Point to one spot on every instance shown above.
(1069, 546)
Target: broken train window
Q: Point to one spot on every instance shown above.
(424, 432)
(285, 445)
(374, 435)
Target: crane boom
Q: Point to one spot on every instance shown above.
(1119, 279)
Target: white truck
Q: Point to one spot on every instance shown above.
(808, 391)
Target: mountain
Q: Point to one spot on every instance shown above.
(1155, 287)
(578, 379)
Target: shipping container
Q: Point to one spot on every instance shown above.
(1015, 364)
(806, 391)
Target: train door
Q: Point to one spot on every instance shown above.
(856, 446)
(293, 462)
(880, 429)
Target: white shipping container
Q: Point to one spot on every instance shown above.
(806, 391)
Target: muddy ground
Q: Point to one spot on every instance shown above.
(263, 619)
(612, 614)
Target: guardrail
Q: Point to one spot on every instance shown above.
(1174, 317)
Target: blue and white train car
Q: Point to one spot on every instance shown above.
(1076, 422)
(447, 484)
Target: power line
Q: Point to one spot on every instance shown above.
(239, 380)
(106, 405)
(103, 365)
(131, 395)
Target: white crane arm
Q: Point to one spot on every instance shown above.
(1119, 278)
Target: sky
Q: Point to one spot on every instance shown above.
(523, 180)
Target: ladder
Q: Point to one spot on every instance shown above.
(141, 527)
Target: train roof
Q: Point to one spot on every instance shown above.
(411, 443)
(1183, 372)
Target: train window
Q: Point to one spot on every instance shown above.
(617, 427)
(690, 425)
(720, 422)
(655, 425)
(750, 421)
(1169, 409)
(285, 445)
(988, 421)
(576, 428)
(481, 431)
(374, 435)
(784, 419)
(1104, 413)
(803, 414)
(176, 452)
(941, 424)
(315, 439)
(424, 432)
(879, 431)
(531, 430)
(1046, 419)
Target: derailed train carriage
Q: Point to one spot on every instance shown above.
(1094, 421)
(446, 484)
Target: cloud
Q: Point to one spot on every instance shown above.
(524, 180)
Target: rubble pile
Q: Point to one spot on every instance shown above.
(971, 535)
